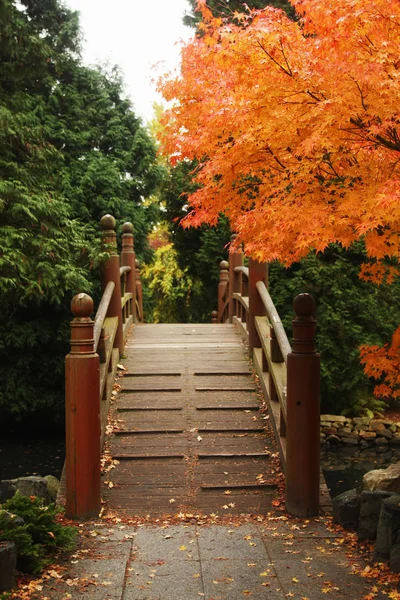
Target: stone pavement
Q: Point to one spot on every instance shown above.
(274, 559)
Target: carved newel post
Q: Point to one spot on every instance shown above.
(82, 406)
(110, 272)
(303, 413)
(222, 287)
(128, 259)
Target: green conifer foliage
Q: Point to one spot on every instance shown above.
(71, 149)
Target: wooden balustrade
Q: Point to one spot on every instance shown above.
(92, 364)
(290, 378)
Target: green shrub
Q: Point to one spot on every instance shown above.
(41, 535)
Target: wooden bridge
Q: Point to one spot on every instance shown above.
(189, 429)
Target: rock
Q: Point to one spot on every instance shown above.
(395, 558)
(386, 434)
(32, 486)
(372, 480)
(8, 562)
(376, 426)
(370, 509)
(7, 489)
(365, 421)
(368, 435)
(381, 441)
(346, 509)
(395, 439)
(333, 439)
(391, 482)
(388, 527)
(393, 428)
(53, 486)
(334, 418)
(347, 436)
(329, 430)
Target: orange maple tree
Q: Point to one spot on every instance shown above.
(295, 127)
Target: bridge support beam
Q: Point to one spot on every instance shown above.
(128, 259)
(257, 272)
(110, 272)
(223, 284)
(303, 413)
(82, 406)
(236, 259)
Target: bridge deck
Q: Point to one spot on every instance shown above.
(189, 433)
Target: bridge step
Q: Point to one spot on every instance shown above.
(189, 435)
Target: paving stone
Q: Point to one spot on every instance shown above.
(230, 542)
(172, 580)
(177, 543)
(227, 580)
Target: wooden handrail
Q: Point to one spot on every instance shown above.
(91, 367)
(124, 270)
(289, 377)
(274, 320)
(102, 312)
(243, 270)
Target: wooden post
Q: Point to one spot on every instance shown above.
(214, 317)
(303, 412)
(236, 259)
(82, 411)
(257, 272)
(222, 287)
(110, 272)
(128, 259)
(139, 290)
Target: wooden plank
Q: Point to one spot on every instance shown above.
(188, 444)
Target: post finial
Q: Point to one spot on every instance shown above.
(82, 306)
(223, 265)
(304, 305)
(108, 222)
(127, 227)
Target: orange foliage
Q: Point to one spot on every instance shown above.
(384, 363)
(295, 126)
(296, 129)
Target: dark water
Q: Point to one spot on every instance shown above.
(344, 467)
(21, 454)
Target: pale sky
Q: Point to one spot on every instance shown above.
(135, 35)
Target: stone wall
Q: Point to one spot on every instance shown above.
(362, 431)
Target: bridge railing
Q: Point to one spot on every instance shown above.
(91, 365)
(289, 376)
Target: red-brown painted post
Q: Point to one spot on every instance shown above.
(82, 411)
(303, 413)
(128, 259)
(139, 290)
(257, 272)
(222, 287)
(110, 272)
(236, 259)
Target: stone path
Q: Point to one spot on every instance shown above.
(275, 560)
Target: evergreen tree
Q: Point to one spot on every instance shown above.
(71, 149)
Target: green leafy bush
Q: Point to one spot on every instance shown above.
(350, 312)
(41, 535)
